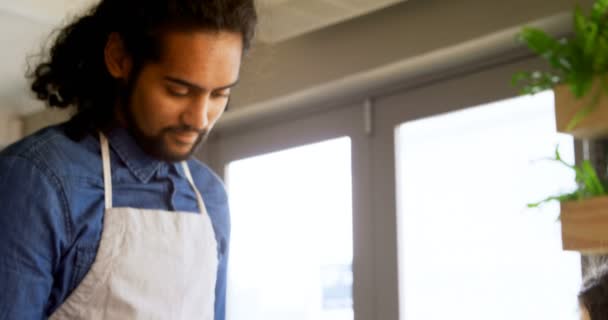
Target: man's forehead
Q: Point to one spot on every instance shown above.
(174, 42)
(205, 59)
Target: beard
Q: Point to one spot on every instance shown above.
(156, 145)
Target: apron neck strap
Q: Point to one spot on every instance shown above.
(107, 175)
(107, 171)
(199, 198)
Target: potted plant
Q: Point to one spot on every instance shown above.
(578, 72)
(584, 211)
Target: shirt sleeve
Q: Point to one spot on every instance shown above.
(32, 229)
(224, 249)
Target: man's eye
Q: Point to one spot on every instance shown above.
(221, 94)
(178, 92)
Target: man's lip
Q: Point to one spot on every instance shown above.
(186, 136)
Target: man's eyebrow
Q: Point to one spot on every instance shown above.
(197, 87)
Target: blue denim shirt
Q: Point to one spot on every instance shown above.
(52, 205)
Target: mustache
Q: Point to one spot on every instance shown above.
(186, 129)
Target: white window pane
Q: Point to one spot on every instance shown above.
(469, 247)
(291, 246)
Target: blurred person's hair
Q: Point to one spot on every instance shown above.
(593, 295)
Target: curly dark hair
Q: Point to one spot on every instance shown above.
(74, 72)
(594, 293)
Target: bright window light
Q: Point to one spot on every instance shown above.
(469, 246)
(292, 242)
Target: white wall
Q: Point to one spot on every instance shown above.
(38, 120)
(11, 128)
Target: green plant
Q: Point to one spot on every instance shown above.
(588, 183)
(574, 61)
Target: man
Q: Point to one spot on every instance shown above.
(107, 216)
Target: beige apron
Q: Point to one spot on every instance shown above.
(151, 264)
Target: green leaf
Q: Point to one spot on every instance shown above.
(519, 77)
(542, 44)
(598, 11)
(600, 57)
(560, 198)
(534, 82)
(590, 40)
(589, 184)
(586, 32)
(580, 22)
(591, 180)
(580, 81)
(558, 157)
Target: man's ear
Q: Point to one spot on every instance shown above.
(118, 61)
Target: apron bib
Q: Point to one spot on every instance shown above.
(151, 264)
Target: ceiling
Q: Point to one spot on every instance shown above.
(25, 25)
(284, 19)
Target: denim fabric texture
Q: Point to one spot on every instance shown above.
(52, 207)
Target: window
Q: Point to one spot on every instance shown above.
(437, 216)
(468, 246)
(292, 241)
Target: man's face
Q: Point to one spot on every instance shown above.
(174, 103)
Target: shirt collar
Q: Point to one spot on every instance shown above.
(137, 161)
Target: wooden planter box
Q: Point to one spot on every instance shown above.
(585, 225)
(595, 125)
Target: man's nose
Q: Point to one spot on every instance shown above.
(198, 113)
